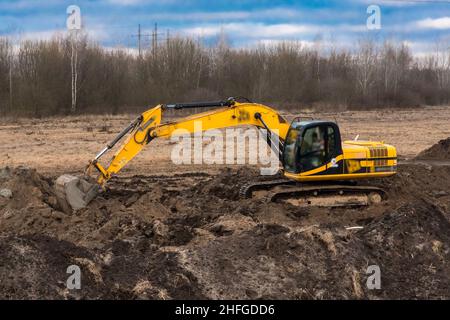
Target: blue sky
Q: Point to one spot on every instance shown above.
(420, 23)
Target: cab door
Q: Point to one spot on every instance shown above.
(334, 150)
(319, 148)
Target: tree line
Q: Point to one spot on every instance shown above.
(36, 76)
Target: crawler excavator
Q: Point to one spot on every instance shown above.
(317, 167)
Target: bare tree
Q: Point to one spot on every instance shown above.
(5, 72)
(74, 67)
(366, 64)
(62, 76)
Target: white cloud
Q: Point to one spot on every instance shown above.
(49, 34)
(268, 31)
(253, 30)
(275, 42)
(40, 35)
(438, 23)
(422, 49)
(26, 4)
(223, 16)
(282, 14)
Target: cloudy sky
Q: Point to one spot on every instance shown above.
(113, 23)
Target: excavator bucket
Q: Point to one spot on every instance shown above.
(74, 193)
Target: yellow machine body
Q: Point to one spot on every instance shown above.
(337, 160)
(313, 151)
(359, 160)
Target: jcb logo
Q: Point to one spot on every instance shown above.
(243, 116)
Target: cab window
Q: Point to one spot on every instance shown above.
(331, 143)
(290, 146)
(312, 150)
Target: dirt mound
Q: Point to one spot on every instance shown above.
(191, 236)
(277, 262)
(412, 245)
(439, 151)
(35, 267)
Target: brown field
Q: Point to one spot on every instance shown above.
(162, 231)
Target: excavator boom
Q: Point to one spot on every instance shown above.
(148, 126)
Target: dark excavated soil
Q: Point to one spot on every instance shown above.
(191, 236)
(439, 151)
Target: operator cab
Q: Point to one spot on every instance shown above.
(312, 144)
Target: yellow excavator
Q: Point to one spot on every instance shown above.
(317, 167)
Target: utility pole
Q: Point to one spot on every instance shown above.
(139, 39)
(153, 42)
(155, 39)
(140, 36)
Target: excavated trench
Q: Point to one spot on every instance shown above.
(192, 236)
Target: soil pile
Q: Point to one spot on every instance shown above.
(271, 261)
(191, 236)
(439, 151)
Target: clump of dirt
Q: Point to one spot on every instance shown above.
(35, 266)
(439, 151)
(29, 187)
(191, 236)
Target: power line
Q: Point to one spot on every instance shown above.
(140, 35)
(156, 37)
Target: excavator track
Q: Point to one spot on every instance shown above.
(329, 196)
(247, 189)
(322, 195)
